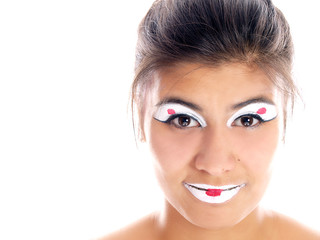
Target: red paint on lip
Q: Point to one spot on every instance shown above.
(262, 111)
(214, 192)
(171, 111)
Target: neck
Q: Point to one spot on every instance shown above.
(174, 226)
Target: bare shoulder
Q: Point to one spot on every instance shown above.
(144, 228)
(289, 228)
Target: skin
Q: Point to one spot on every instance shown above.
(215, 155)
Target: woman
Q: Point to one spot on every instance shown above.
(212, 89)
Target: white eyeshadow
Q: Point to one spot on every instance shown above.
(266, 111)
(165, 111)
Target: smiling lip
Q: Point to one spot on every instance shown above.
(213, 194)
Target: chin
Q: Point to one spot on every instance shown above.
(215, 217)
(215, 222)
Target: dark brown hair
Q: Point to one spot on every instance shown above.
(214, 32)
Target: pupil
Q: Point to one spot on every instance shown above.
(246, 121)
(184, 121)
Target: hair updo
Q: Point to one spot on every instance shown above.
(214, 32)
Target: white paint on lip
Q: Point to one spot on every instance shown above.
(199, 191)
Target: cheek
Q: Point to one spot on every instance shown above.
(173, 150)
(257, 150)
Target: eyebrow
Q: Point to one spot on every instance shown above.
(179, 101)
(198, 108)
(250, 101)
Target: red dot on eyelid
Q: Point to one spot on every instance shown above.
(262, 111)
(171, 111)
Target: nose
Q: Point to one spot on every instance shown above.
(216, 154)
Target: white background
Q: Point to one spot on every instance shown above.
(69, 168)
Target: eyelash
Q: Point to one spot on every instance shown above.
(255, 116)
(176, 116)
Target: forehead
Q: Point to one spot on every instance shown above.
(226, 84)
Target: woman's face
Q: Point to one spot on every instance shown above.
(213, 133)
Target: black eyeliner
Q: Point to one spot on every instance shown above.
(256, 116)
(174, 116)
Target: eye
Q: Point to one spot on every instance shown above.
(248, 121)
(179, 116)
(253, 115)
(184, 121)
